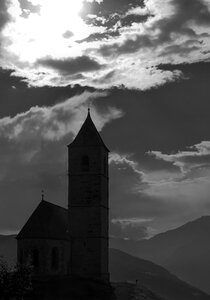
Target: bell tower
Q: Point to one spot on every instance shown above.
(88, 204)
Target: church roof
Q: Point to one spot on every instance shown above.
(48, 221)
(88, 135)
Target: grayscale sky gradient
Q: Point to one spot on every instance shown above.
(144, 67)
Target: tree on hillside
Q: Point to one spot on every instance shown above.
(20, 283)
(4, 279)
(15, 282)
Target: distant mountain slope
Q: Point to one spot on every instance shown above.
(8, 246)
(131, 291)
(184, 251)
(124, 267)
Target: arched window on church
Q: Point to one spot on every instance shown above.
(85, 164)
(54, 258)
(35, 258)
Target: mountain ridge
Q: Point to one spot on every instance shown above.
(153, 281)
(184, 251)
(124, 267)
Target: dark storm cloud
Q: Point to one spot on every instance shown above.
(113, 25)
(100, 36)
(109, 7)
(183, 50)
(128, 20)
(7, 80)
(177, 23)
(126, 180)
(17, 97)
(110, 15)
(186, 11)
(129, 46)
(116, 21)
(71, 66)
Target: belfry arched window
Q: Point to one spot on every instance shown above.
(85, 163)
(54, 258)
(35, 258)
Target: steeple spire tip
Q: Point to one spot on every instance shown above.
(43, 195)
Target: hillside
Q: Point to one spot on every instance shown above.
(124, 267)
(131, 291)
(183, 251)
(154, 282)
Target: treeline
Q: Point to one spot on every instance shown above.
(15, 282)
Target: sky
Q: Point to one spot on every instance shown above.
(143, 66)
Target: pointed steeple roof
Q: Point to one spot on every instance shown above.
(88, 135)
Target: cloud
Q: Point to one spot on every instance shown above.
(68, 34)
(112, 43)
(131, 45)
(112, 16)
(182, 50)
(108, 7)
(184, 12)
(100, 36)
(5, 18)
(161, 196)
(143, 78)
(53, 123)
(33, 154)
(136, 211)
(31, 139)
(198, 157)
(126, 179)
(184, 194)
(4, 14)
(71, 66)
(123, 162)
(131, 228)
(169, 22)
(180, 200)
(29, 7)
(126, 176)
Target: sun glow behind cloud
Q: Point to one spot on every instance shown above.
(42, 34)
(112, 43)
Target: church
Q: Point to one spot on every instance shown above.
(73, 242)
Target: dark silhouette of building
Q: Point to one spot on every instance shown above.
(43, 241)
(73, 242)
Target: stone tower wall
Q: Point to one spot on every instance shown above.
(88, 212)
